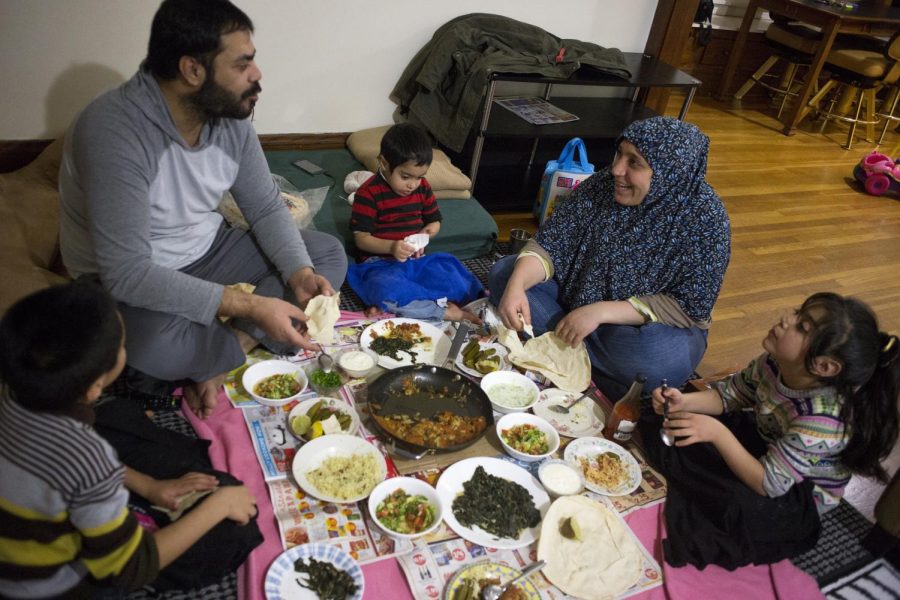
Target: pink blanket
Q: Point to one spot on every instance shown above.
(232, 451)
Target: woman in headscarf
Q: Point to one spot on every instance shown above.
(631, 262)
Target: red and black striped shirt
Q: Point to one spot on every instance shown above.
(378, 209)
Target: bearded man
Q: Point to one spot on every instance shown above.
(144, 168)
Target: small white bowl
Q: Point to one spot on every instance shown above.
(358, 372)
(259, 371)
(552, 485)
(513, 419)
(511, 378)
(303, 407)
(413, 487)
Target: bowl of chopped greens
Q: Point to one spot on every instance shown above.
(527, 437)
(405, 507)
(325, 383)
(274, 382)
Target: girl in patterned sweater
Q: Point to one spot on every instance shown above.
(821, 402)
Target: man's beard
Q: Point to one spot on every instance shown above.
(213, 101)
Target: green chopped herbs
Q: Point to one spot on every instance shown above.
(326, 580)
(499, 506)
(390, 346)
(325, 380)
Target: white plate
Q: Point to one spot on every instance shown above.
(450, 485)
(488, 569)
(429, 353)
(281, 579)
(314, 452)
(500, 351)
(591, 446)
(584, 419)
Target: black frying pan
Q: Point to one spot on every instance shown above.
(438, 389)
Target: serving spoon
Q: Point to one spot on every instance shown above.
(326, 362)
(493, 591)
(667, 438)
(563, 409)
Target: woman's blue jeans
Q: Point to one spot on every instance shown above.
(617, 352)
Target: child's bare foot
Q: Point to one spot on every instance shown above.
(373, 311)
(455, 313)
(203, 396)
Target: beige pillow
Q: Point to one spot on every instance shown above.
(442, 175)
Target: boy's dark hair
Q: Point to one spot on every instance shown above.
(55, 343)
(869, 380)
(190, 28)
(404, 142)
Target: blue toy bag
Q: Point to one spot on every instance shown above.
(561, 177)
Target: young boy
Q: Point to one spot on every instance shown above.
(398, 202)
(67, 530)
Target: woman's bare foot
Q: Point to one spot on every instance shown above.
(373, 311)
(203, 396)
(455, 313)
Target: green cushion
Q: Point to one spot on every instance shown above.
(466, 232)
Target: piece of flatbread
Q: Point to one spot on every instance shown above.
(184, 502)
(603, 564)
(568, 368)
(322, 313)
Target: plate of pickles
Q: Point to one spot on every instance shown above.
(316, 417)
(478, 358)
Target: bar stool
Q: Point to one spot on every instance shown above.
(793, 43)
(862, 67)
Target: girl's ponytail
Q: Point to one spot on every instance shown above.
(872, 412)
(869, 381)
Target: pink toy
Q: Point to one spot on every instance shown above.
(878, 173)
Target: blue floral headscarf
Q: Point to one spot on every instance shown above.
(677, 242)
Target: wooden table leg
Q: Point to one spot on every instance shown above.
(735, 57)
(829, 32)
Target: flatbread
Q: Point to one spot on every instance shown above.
(568, 368)
(604, 563)
(322, 313)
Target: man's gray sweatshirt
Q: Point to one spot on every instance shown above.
(137, 204)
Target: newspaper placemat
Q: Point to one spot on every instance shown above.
(303, 519)
(431, 564)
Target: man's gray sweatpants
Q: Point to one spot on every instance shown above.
(173, 348)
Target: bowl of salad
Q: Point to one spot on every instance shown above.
(527, 437)
(274, 382)
(325, 383)
(406, 507)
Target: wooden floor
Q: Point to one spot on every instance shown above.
(799, 226)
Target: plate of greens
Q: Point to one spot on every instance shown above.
(308, 571)
(492, 502)
(401, 342)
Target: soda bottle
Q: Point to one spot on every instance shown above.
(625, 412)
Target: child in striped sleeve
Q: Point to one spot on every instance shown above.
(65, 525)
(760, 455)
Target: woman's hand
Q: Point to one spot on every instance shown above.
(690, 428)
(165, 492)
(514, 309)
(579, 324)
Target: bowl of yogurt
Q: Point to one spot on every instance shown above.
(356, 363)
(509, 391)
(560, 477)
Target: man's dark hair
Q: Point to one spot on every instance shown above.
(404, 142)
(55, 343)
(190, 28)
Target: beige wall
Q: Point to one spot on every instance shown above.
(328, 65)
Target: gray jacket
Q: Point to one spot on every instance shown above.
(443, 85)
(138, 204)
